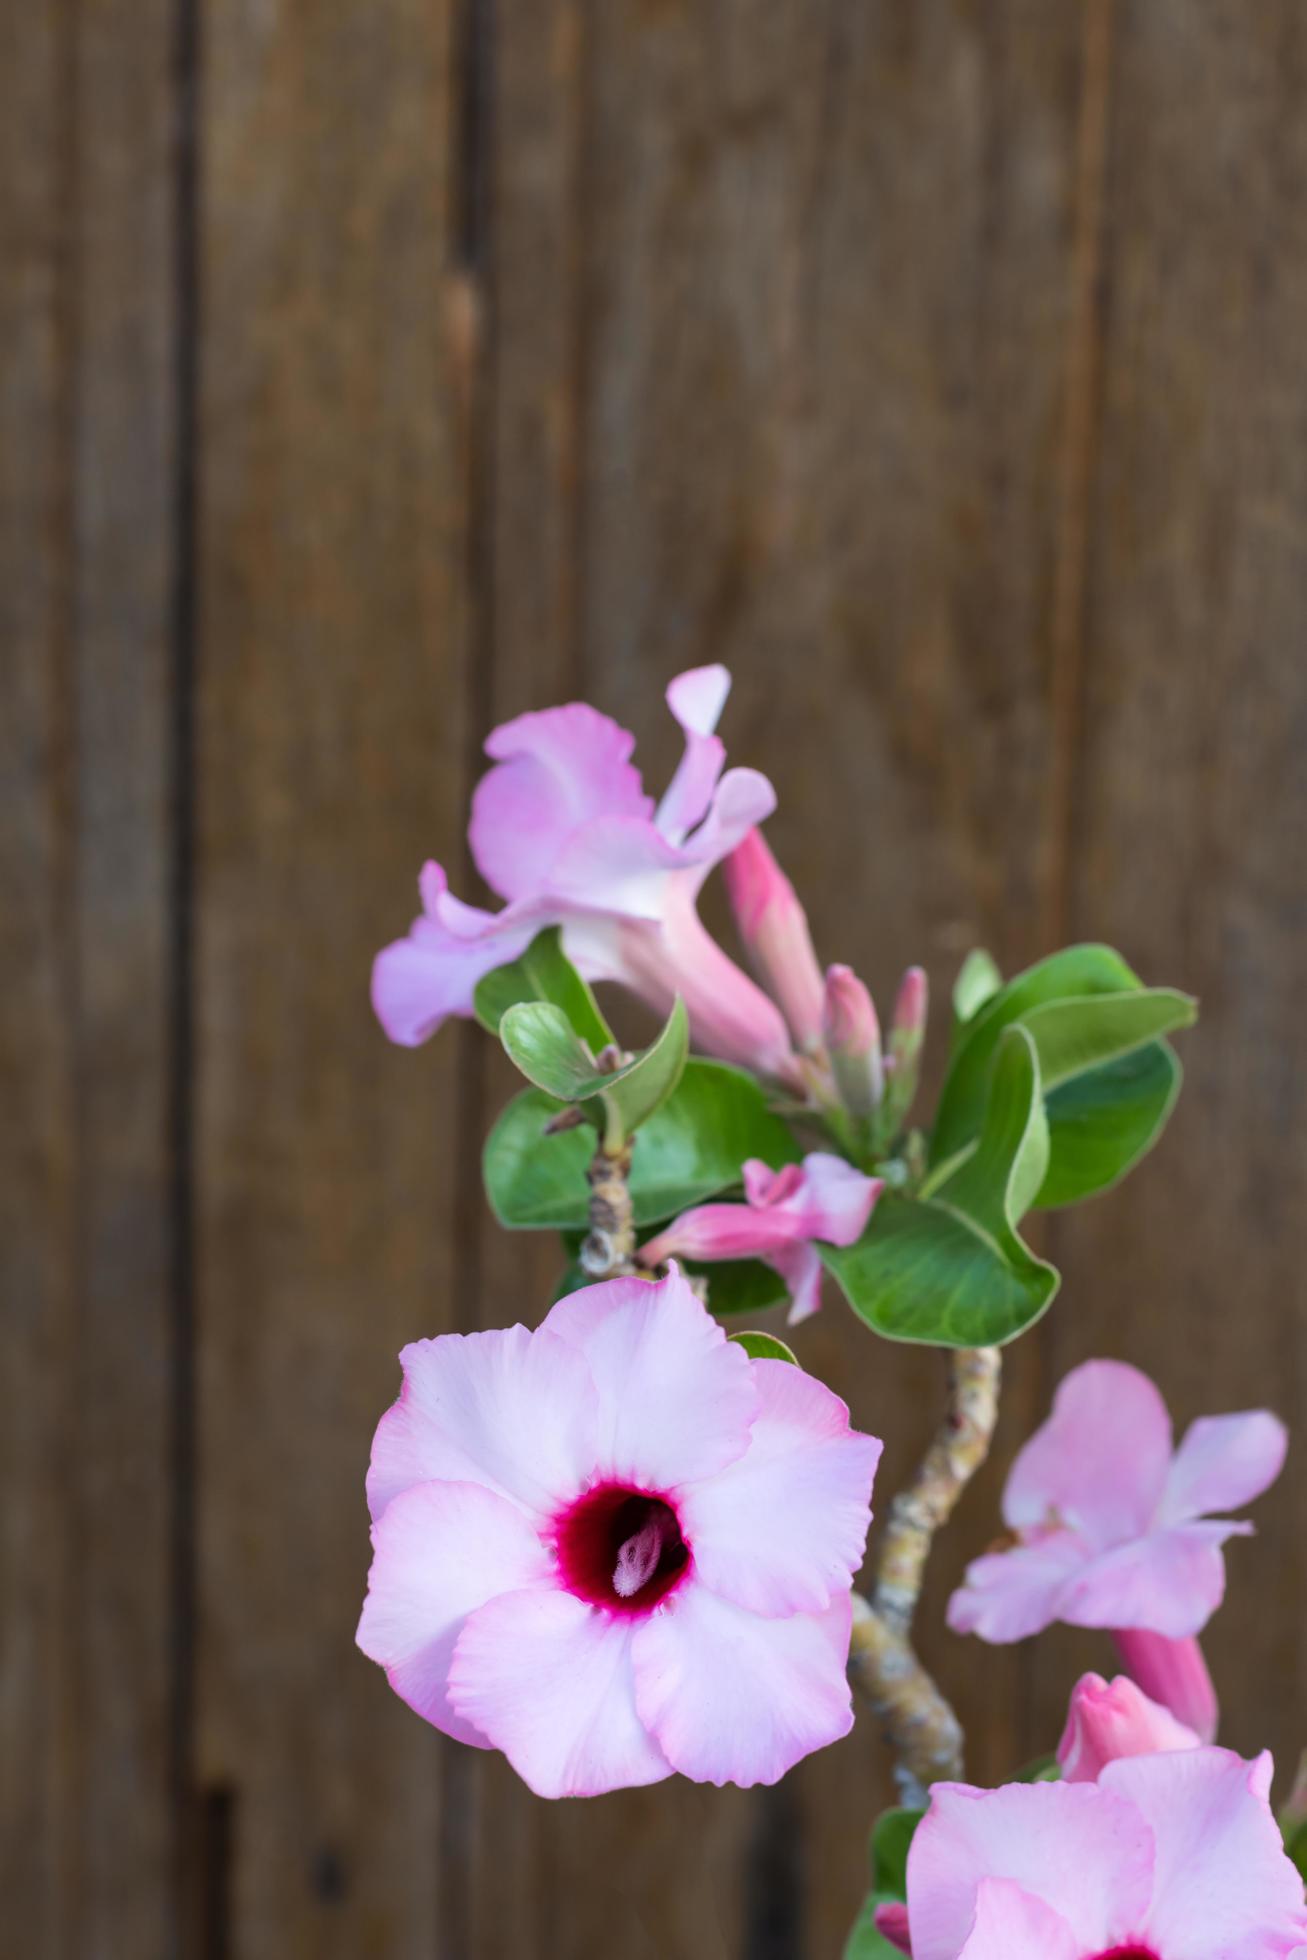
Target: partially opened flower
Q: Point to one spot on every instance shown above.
(785, 1212)
(1109, 1529)
(617, 1547)
(1165, 1857)
(562, 829)
(1109, 1719)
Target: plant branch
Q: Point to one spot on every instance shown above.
(921, 1728)
(609, 1248)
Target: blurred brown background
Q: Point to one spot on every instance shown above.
(373, 370)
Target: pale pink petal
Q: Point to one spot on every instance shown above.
(801, 1268)
(696, 699)
(733, 1698)
(722, 1231)
(833, 1201)
(1009, 1595)
(1106, 1720)
(548, 1680)
(1223, 1463)
(440, 1551)
(1012, 1925)
(823, 1198)
(1174, 1674)
(557, 770)
(1100, 1461)
(764, 1186)
(784, 1528)
(676, 1397)
(514, 1411)
(1222, 1885)
(417, 982)
(892, 1925)
(1085, 1853)
(1172, 1581)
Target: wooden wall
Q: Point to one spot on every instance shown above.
(372, 372)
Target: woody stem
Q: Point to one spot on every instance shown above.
(919, 1724)
(609, 1248)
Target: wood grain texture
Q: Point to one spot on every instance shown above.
(330, 739)
(1191, 794)
(89, 1817)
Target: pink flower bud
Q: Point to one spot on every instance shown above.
(852, 1035)
(906, 1038)
(911, 1006)
(1174, 1673)
(774, 928)
(1111, 1719)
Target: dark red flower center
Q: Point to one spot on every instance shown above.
(1126, 1953)
(620, 1548)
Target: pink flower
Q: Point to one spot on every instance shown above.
(1110, 1527)
(562, 829)
(852, 1034)
(1107, 1720)
(821, 1198)
(617, 1547)
(1165, 1857)
(774, 928)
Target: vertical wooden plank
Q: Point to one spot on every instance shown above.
(331, 743)
(1192, 794)
(831, 285)
(88, 461)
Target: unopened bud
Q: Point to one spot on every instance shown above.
(774, 929)
(852, 1035)
(906, 1039)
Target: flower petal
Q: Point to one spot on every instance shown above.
(733, 1698)
(891, 1920)
(1223, 1884)
(1109, 1719)
(557, 770)
(1100, 1461)
(1170, 1582)
(801, 1268)
(548, 1680)
(1086, 1854)
(1009, 1595)
(696, 699)
(1012, 1925)
(418, 981)
(676, 1398)
(514, 1411)
(440, 1551)
(1223, 1463)
(783, 1529)
(1174, 1674)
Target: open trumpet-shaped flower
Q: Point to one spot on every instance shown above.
(617, 1547)
(823, 1198)
(562, 830)
(1164, 1857)
(1109, 1529)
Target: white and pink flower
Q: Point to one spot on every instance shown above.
(1110, 1719)
(617, 1547)
(1110, 1529)
(563, 830)
(1172, 1856)
(785, 1214)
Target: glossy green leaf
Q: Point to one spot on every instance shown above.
(950, 1268)
(690, 1149)
(1074, 1036)
(1100, 1124)
(765, 1347)
(540, 1040)
(737, 1286)
(543, 972)
(978, 981)
(1078, 971)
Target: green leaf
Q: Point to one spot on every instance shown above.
(1044, 1769)
(923, 1272)
(543, 972)
(690, 1149)
(539, 1039)
(738, 1286)
(1100, 1124)
(1074, 1036)
(1296, 1846)
(950, 1268)
(1078, 971)
(891, 1840)
(978, 981)
(765, 1347)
